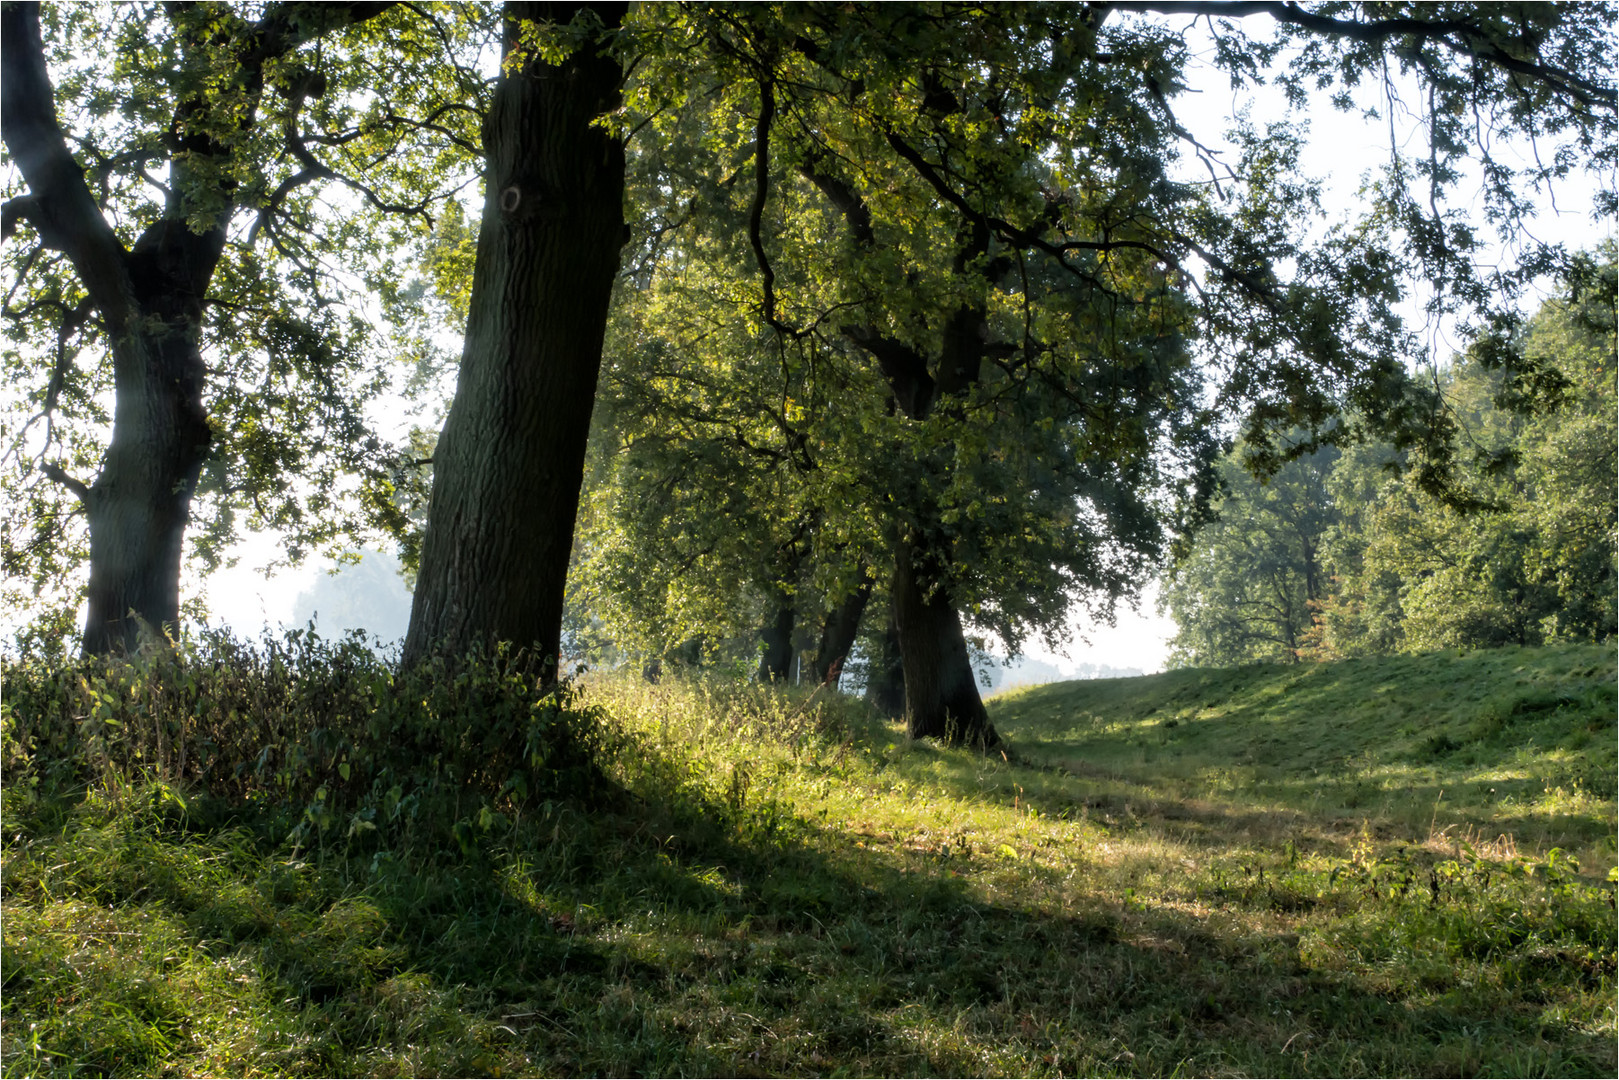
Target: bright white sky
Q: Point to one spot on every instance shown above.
(1342, 150)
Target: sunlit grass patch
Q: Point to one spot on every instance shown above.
(1370, 737)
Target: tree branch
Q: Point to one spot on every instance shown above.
(286, 26)
(1008, 231)
(756, 211)
(53, 471)
(314, 168)
(59, 205)
(905, 369)
(845, 200)
(1456, 35)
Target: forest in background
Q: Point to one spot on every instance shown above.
(1338, 555)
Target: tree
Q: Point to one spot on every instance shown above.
(508, 465)
(716, 384)
(1532, 558)
(709, 504)
(696, 521)
(185, 300)
(1346, 554)
(1250, 588)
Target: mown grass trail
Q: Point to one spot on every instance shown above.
(1248, 872)
(1509, 747)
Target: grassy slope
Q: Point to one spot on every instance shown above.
(1514, 746)
(1235, 872)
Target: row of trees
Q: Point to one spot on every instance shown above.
(1342, 554)
(908, 298)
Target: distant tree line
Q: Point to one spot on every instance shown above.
(1340, 553)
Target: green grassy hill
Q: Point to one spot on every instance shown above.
(1518, 744)
(1382, 867)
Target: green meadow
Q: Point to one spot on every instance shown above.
(1399, 866)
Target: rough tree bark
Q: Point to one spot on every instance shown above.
(150, 299)
(941, 688)
(839, 631)
(510, 461)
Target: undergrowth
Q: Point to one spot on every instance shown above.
(720, 878)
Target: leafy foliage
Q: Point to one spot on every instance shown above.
(767, 377)
(1023, 175)
(1371, 562)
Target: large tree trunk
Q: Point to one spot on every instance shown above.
(941, 688)
(776, 662)
(510, 461)
(140, 502)
(839, 631)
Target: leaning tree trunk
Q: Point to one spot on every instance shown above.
(839, 631)
(941, 688)
(510, 462)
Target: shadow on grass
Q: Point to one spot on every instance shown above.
(796, 954)
(661, 936)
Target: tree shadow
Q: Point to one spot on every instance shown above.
(657, 935)
(705, 942)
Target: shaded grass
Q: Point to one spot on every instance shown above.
(782, 887)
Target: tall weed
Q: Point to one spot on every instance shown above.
(325, 730)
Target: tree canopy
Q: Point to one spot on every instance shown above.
(977, 232)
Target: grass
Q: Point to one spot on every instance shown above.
(1245, 872)
(1506, 747)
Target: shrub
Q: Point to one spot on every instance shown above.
(324, 728)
